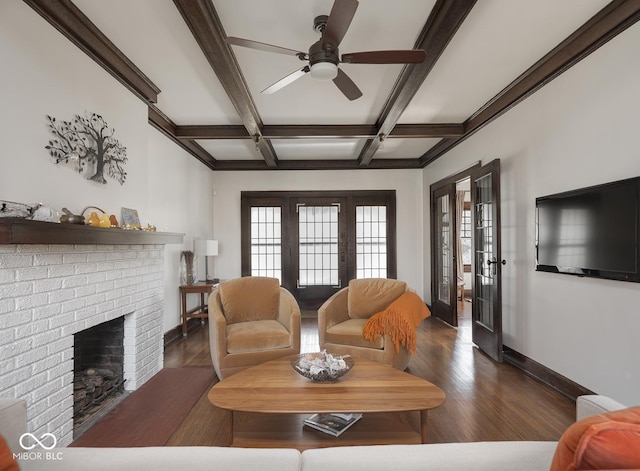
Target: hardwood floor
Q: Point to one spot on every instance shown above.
(486, 401)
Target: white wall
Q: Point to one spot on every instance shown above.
(43, 74)
(409, 217)
(179, 200)
(580, 130)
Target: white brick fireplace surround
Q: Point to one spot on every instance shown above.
(50, 292)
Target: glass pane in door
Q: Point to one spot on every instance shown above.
(318, 245)
(484, 252)
(266, 242)
(371, 242)
(443, 261)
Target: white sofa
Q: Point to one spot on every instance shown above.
(489, 456)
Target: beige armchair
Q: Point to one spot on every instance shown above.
(251, 320)
(341, 320)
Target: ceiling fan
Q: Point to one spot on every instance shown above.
(324, 57)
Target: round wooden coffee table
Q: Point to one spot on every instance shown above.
(264, 402)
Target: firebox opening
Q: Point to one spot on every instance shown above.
(98, 372)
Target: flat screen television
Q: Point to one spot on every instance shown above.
(591, 231)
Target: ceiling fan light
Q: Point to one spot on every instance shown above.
(324, 70)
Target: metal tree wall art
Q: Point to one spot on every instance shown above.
(87, 142)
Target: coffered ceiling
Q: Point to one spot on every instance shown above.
(482, 58)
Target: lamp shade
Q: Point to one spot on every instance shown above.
(205, 248)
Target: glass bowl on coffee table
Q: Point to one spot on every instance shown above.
(322, 367)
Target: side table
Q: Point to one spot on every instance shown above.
(202, 310)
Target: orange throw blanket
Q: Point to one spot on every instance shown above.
(399, 320)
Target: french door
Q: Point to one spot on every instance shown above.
(487, 292)
(318, 248)
(487, 263)
(443, 254)
(315, 242)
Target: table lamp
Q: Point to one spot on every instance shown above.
(206, 248)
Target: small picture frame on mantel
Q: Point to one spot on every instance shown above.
(130, 219)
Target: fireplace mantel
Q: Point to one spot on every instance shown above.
(24, 231)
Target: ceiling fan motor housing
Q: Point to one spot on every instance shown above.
(324, 63)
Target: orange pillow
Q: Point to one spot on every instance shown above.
(7, 463)
(604, 441)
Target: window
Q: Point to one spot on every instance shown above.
(266, 242)
(465, 234)
(371, 242)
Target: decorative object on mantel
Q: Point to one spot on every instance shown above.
(69, 218)
(96, 220)
(114, 221)
(44, 213)
(36, 212)
(104, 220)
(88, 143)
(93, 220)
(130, 219)
(10, 209)
(187, 268)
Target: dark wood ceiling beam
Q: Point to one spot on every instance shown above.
(427, 130)
(442, 24)
(222, 131)
(167, 127)
(605, 25)
(207, 29)
(382, 164)
(318, 131)
(75, 26)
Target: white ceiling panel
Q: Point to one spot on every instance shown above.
(498, 41)
(400, 148)
(153, 35)
(229, 149)
(323, 149)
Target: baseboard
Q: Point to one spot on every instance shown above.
(554, 380)
(176, 333)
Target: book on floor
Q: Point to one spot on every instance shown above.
(332, 424)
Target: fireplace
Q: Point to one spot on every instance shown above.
(50, 293)
(98, 373)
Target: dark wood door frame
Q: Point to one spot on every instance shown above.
(284, 199)
(434, 188)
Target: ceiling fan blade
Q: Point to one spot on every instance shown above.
(338, 23)
(346, 86)
(262, 46)
(283, 82)
(411, 56)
